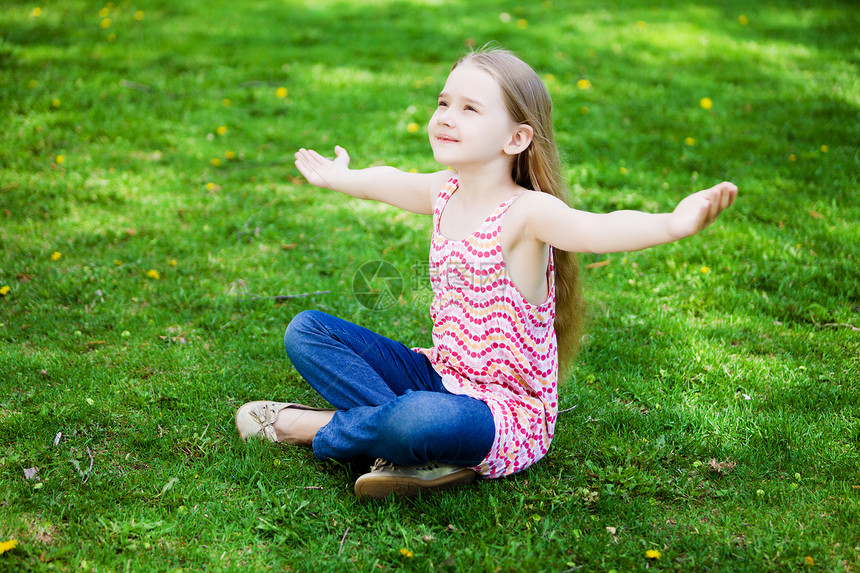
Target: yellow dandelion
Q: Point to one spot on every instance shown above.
(705, 270)
(215, 161)
(4, 290)
(706, 103)
(652, 554)
(117, 262)
(549, 78)
(413, 127)
(172, 262)
(35, 12)
(808, 560)
(8, 545)
(153, 274)
(103, 13)
(211, 186)
(690, 141)
(55, 102)
(222, 129)
(522, 23)
(111, 38)
(61, 159)
(139, 15)
(623, 171)
(743, 20)
(281, 92)
(55, 256)
(824, 149)
(792, 157)
(583, 84)
(105, 23)
(226, 102)
(584, 110)
(406, 553)
(230, 154)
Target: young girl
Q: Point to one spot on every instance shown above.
(506, 309)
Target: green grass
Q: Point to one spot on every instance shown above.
(736, 347)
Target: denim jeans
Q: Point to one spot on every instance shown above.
(390, 400)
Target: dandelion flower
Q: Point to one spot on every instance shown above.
(743, 20)
(705, 270)
(61, 159)
(690, 141)
(522, 23)
(652, 554)
(706, 103)
(117, 262)
(215, 161)
(55, 256)
(111, 38)
(153, 274)
(104, 12)
(281, 92)
(622, 170)
(211, 186)
(230, 154)
(583, 84)
(406, 553)
(8, 545)
(226, 102)
(584, 110)
(105, 23)
(412, 127)
(824, 149)
(4, 290)
(222, 129)
(55, 102)
(808, 560)
(172, 262)
(36, 12)
(139, 15)
(792, 157)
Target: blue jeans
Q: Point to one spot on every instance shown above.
(390, 400)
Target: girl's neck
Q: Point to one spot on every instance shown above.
(485, 184)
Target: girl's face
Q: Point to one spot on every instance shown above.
(471, 125)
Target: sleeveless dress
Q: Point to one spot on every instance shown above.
(490, 343)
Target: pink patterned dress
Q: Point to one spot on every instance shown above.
(490, 343)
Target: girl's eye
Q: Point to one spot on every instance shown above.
(470, 108)
(443, 103)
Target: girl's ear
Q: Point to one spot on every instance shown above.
(520, 140)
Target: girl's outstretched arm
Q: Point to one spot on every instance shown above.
(550, 221)
(414, 192)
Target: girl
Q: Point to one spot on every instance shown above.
(506, 308)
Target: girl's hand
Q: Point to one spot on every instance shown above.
(699, 210)
(321, 171)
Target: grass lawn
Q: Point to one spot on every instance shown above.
(155, 240)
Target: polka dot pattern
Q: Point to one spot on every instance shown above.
(489, 342)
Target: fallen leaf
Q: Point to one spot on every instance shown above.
(721, 467)
(598, 264)
(31, 473)
(816, 215)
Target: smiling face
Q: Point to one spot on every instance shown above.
(471, 126)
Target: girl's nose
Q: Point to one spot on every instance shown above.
(443, 117)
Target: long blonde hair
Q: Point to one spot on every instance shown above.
(539, 168)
